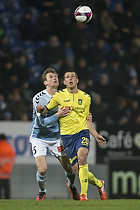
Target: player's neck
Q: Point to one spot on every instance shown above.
(51, 90)
(72, 90)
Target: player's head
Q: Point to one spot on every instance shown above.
(2, 136)
(50, 78)
(70, 79)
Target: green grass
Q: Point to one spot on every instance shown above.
(63, 204)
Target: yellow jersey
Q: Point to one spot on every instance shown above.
(79, 104)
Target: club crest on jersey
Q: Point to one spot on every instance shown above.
(80, 101)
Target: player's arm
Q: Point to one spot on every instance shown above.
(41, 110)
(92, 131)
(100, 139)
(89, 117)
(87, 113)
(62, 112)
(44, 109)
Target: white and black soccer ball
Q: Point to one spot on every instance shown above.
(83, 14)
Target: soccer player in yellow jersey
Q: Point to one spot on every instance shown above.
(74, 130)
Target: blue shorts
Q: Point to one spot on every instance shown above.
(72, 143)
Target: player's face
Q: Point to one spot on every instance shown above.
(70, 80)
(52, 80)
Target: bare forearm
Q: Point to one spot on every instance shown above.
(100, 139)
(92, 130)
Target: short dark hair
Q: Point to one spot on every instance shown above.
(71, 70)
(2, 136)
(48, 70)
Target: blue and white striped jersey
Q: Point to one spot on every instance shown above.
(45, 127)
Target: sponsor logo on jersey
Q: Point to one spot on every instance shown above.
(66, 100)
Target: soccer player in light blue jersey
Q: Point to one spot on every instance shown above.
(45, 134)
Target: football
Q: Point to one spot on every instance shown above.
(83, 14)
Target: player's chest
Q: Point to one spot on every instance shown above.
(74, 101)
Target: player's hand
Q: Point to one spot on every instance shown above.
(101, 140)
(62, 112)
(89, 117)
(41, 109)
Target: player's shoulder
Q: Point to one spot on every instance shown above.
(39, 95)
(58, 92)
(84, 94)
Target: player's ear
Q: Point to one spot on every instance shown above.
(77, 81)
(64, 82)
(45, 83)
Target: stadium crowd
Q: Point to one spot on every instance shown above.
(105, 53)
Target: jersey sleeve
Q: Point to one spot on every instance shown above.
(87, 108)
(53, 102)
(44, 120)
(39, 101)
